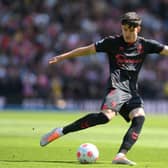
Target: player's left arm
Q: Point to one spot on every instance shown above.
(164, 51)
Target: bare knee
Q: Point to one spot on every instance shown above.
(136, 112)
(109, 113)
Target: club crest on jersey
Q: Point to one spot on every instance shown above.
(140, 49)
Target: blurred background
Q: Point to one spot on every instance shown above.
(32, 31)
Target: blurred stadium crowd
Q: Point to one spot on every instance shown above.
(31, 31)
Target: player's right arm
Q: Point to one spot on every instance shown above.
(82, 51)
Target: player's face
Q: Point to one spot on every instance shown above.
(130, 33)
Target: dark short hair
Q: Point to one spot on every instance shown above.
(131, 18)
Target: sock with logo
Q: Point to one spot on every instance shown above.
(87, 121)
(132, 134)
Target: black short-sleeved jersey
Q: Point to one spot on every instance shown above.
(125, 60)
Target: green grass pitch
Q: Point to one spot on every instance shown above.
(20, 133)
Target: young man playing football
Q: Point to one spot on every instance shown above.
(126, 54)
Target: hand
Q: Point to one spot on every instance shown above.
(53, 60)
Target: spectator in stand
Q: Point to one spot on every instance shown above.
(32, 30)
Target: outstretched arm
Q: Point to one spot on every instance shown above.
(82, 51)
(164, 51)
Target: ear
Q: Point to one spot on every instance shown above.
(138, 29)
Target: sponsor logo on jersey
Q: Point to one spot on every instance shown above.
(121, 59)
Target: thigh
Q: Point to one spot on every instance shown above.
(114, 99)
(132, 108)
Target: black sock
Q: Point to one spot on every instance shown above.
(132, 134)
(89, 120)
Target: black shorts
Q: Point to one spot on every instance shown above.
(121, 102)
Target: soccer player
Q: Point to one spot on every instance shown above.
(126, 54)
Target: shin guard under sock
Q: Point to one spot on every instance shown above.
(89, 120)
(132, 134)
